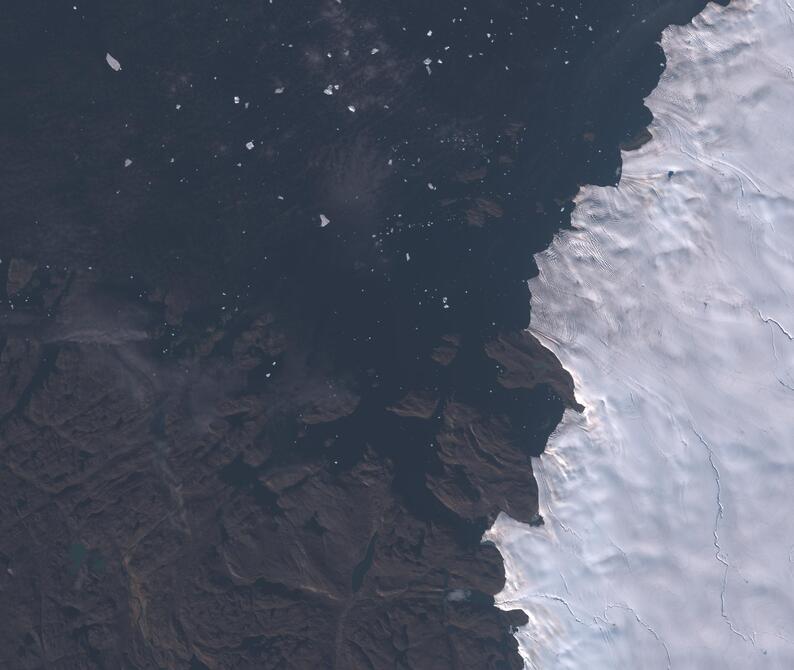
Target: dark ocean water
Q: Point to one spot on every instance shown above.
(250, 359)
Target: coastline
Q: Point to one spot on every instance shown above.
(663, 545)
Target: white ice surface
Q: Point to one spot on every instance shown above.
(112, 62)
(669, 535)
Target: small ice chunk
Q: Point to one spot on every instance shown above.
(127, 162)
(374, 50)
(328, 90)
(114, 64)
(431, 186)
(236, 99)
(324, 220)
(249, 145)
(279, 90)
(352, 108)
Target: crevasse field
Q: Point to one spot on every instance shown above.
(669, 535)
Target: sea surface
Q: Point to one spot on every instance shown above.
(668, 539)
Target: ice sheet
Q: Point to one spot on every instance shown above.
(669, 535)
